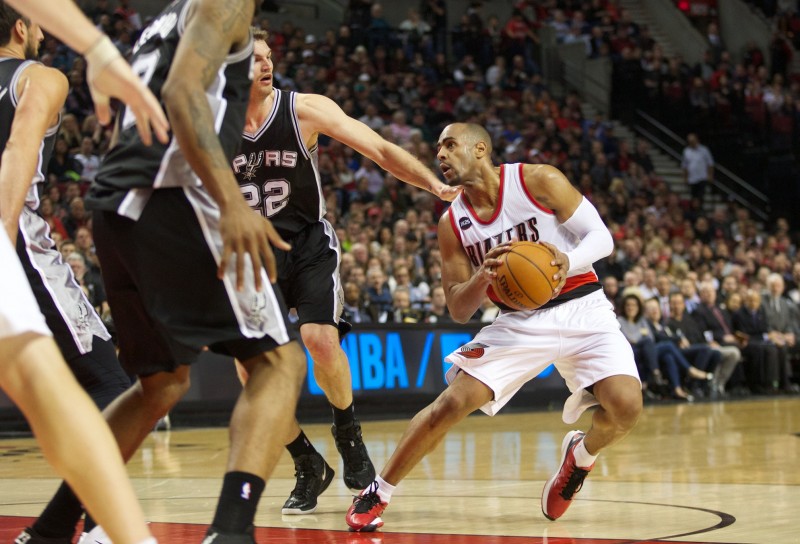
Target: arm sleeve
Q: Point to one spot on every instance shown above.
(595, 240)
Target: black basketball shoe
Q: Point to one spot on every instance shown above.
(313, 477)
(358, 469)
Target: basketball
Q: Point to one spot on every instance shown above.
(525, 276)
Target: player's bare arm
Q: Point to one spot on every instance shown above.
(464, 288)
(320, 114)
(107, 73)
(197, 60)
(42, 92)
(551, 188)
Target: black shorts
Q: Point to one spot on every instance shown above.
(62, 301)
(308, 275)
(161, 279)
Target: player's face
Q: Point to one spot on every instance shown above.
(453, 154)
(32, 40)
(262, 70)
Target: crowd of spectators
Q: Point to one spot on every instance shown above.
(407, 83)
(751, 95)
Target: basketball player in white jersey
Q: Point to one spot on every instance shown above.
(576, 330)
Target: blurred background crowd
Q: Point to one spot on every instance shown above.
(706, 293)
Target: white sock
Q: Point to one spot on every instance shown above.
(582, 456)
(384, 490)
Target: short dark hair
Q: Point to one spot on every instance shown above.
(260, 35)
(8, 18)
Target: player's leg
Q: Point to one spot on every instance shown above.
(427, 429)
(464, 395)
(312, 473)
(599, 369)
(314, 289)
(100, 373)
(332, 372)
(83, 341)
(331, 367)
(620, 401)
(260, 422)
(64, 420)
(145, 350)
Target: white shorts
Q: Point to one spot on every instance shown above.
(581, 337)
(19, 312)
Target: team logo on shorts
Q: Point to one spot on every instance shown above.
(256, 314)
(473, 351)
(82, 319)
(465, 223)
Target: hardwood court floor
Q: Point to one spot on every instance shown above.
(714, 472)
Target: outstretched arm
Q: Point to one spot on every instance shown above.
(107, 72)
(321, 114)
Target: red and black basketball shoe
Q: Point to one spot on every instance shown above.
(559, 490)
(364, 515)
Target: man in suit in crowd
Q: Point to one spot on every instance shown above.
(691, 339)
(714, 323)
(750, 324)
(784, 326)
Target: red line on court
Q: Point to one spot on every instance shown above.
(189, 533)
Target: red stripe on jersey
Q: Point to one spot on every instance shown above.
(530, 196)
(453, 224)
(576, 281)
(571, 283)
(497, 209)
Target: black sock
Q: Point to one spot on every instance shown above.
(300, 446)
(238, 501)
(61, 515)
(88, 523)
(342, 418)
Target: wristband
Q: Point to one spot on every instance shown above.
(101, 54)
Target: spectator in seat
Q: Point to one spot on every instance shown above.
(438, 312)
(760, 353)
(783, 323)
(354, 310)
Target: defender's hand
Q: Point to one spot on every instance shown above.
(115, 79)
(446, 193)
(243, 232)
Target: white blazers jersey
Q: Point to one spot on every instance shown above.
(518, 216)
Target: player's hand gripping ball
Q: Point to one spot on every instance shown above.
(525, 276)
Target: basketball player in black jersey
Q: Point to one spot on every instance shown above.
(184, 258)
(277, 172)
(107, 73)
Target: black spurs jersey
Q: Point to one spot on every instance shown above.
(130, 166)
(10, 70)
(277, 173)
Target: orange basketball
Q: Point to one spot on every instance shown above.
(525, 276)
